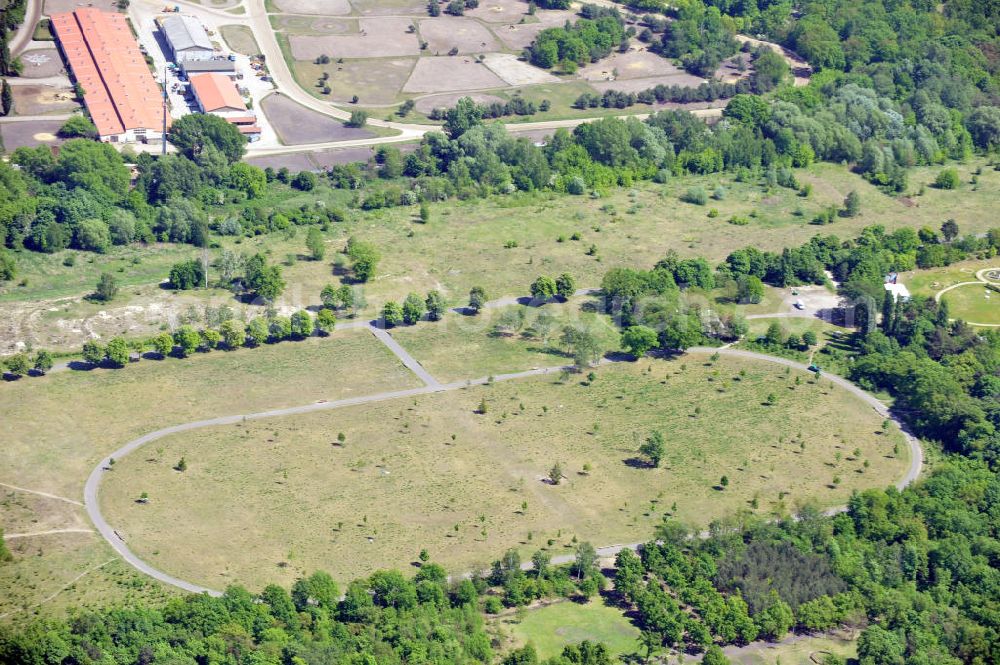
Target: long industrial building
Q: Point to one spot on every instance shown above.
(122, 98)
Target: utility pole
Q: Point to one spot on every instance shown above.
(163, 140)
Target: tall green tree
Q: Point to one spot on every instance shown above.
(193, 132)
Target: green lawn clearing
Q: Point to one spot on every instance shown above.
(553, 627)
(974, 303)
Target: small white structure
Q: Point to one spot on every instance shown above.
(186, 38)
(898, 291)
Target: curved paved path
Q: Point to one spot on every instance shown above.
(981, 279)
(92, 487)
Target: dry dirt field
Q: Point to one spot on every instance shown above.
(517, 72)
(389, 7)
(321, 7)
(499, 11)
(428, 104)
(638, 85)
(518, 35)
(312, 25)
(296, 125)
(375, 81)
(294, 162)
(451, 73)
(631, 65)
(42, 99)
(31, 133)
(466, 34)
(264, 501)
(378, 38)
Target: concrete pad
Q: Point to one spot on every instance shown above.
(517, 72)
(42, 63)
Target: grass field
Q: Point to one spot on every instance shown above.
(930, 281)
(267, 500)
(464, 243)
(555, 626)
(551, 628)
(974, 303)
(461, 347)
(240, 39)
(91, 413)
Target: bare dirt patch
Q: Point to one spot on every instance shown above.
(42, 63)
(466, 34)
(319, 7)
(638, 85)
(390, 7)
(517, 72)
(374, 81)
(294, 162)
(517, 35)
(33, 133)
(378, 37)
(428, 104)
(499, 11)
(311, 25)
(733, 69)
(296, 125)
(42, 99)
(451, 73)
(631, 65)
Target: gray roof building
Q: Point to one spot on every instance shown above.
(219, 65)
(186, 37)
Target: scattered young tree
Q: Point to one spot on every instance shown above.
(413, 309)
(43, 361)
(117, 352)
(365, 259)
(392, 314)
(301, 324)
(357, 120)
(949, 230)
(7, 99)
(315, 244)
(654, 448)
(163, 344)
(543, 288)
(17, 365)
(93, 353)
(326, 321)
(187, 340)
(639, 340)
(852, 204)
(583, 344)
(565, 286)
(435, 306)
(233, 334)
(107, 287)
(181, 465)
(477, 299)
(556, 474)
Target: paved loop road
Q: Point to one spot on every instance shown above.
(93, 484)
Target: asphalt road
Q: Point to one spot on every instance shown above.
(32, 12)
